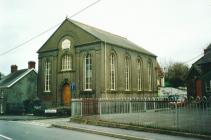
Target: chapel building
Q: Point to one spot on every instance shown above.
(81, 61)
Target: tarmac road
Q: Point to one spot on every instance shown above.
(12, 130)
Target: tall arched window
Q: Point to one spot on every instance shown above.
(47, 74)
(113, 72)
(127, 73)
(139, 71)
(66, 62)
(149, 70)
(87, 72)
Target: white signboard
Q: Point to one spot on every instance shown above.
(50, 110)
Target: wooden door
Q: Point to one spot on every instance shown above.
(66, 95)
(198, 88)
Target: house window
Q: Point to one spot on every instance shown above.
(87, 72)
(208, 86)
(66, 62)
(47, 76)
(139, 71)
(113, 73)
(127, 74)
(149, 70)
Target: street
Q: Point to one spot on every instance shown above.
(11, 130)
(42, 130)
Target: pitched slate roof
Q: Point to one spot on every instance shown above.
(206, 76)
(111, 38)
(107, 37)
(205, 59)
(14, 77)
(194, 69)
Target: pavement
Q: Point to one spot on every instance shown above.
(114, 133)
(22, 117)
(117, 133)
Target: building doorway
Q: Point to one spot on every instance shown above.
(66, 98)
(198, 88)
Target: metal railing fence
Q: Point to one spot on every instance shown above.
(192, 115)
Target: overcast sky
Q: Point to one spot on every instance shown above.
(174, 30)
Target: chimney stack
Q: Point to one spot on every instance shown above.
(31, 64)
(14, 68)
(205, 51)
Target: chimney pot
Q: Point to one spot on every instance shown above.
(14, 68)
(205, 51)
(31, 64)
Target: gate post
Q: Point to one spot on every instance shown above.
(145, 105)
(130, 106)
(99, 104)
(81, 102)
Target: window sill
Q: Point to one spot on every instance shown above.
(87, 89)
(64, 70)
(47, 91)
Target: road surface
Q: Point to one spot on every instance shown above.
(11, 130)
(42, 130)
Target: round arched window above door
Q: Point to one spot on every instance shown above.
(66, 44)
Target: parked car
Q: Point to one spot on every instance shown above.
(177, 101)
(173, 97)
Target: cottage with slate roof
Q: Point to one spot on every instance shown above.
(199, 76)
(80, 61)
(17, 89)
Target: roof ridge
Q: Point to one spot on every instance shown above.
(115, 37)
(103, 36)
(12, 78)
(98, 29)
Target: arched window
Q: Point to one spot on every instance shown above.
(127, 73)
(66, 62)
(113, 72)
(87, 72)
(139, 71)
(149, 70)
(47, 74)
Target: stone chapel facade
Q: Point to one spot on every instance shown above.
(80, 61)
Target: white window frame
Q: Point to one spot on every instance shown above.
(66, 62)
(208, 86)
(127, 74)
(47, 75)
(113, 72)
(88, 72)
(139, 75)
(150, 75)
